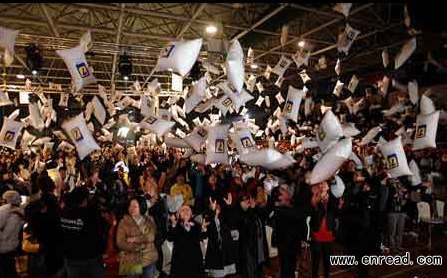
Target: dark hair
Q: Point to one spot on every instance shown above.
(77, 196)
(141, 203)
(45, 183)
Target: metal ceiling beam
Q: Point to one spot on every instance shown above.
(310, 32)
(50, 20)
(259, 22)
(361, 37)
(196, 14)
(117, 41)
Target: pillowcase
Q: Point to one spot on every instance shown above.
(10, 133)
(395, 159)
(179, 56)
(78, 132)
(197, 95)
(426, 128)
(217, 145)
(329, 131)
(81, 73)
(235, 66)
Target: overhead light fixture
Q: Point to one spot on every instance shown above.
(34, 72)
(126, 77)
(254, 66)
(125, 65)
(33, 57)
(211, 29)
(301, 43)
(20, 76)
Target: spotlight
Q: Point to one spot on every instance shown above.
(254, 66)
(126, 77)
(33, 57)
(301, 43)
(34, 72)
(125, 64)
(211, 29)
(20, 76)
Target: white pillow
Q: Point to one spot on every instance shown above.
(346, 38)
(156, 125)
(413, 91)
(4, 99)
(198, 93)
(175, 142)
(268, 158)
(235, 65)
(349, 130)
(225, 103)
(197, 138)
(217, 145)
(427, 106)
(10, 132)
(243, 140)
(329, 131)
(26, 141)
(7, 42)
(301, 57)
(79, 134)
(179, 56)
(415, 179)
(395, 159)
(98, 110)
(337, 187)
(426, 128)
(282, 66)
(370, 135)
(338, 88)
(292, 106)
(405, 52)
(353, 83)
(35, 117)
(63, 101)
(77, 65)
(331, 161)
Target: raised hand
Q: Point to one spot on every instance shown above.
(229, 199)
(213, 204)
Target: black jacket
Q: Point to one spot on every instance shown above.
(85, 233)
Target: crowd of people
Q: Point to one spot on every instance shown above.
(114, 211)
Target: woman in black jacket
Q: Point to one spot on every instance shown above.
(187, 258)
(219, 258)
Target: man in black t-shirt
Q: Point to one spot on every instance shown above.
(84, 233)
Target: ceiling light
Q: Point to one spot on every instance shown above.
(301, 43)
(126, 77)
(254, 66)
(211, 29)
(20, 76)
(34, 72)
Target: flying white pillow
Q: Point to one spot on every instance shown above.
(4, 99)
(293, 102)
(331, 161)
(349, 130)
(63, 100)
(405, 52)
(353, 83)
(156, 125)
(415, 179)
(337, 187)
(235, 65)
(217, 145)
(346, 38)
(370, 135)
(426, 128)
(338, 88)
(196, 138)
(197, 95)
(175, 142)
(329, 131)
(98, 110)
(243, 140)
(427, 106)
(77, 65)
(78, 132)
(35, 118)
(7, 42)
(10, 132)
(395, 159)
(282, 65)
(413, 91)
(268, 158)
(179, 56)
